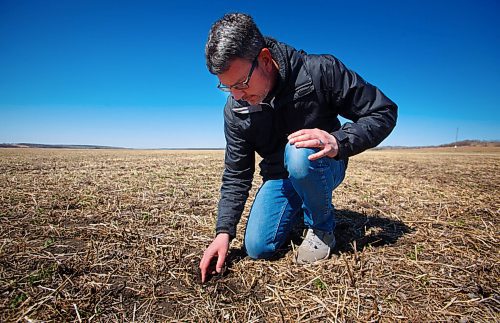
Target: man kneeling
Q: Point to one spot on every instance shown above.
(284, 105)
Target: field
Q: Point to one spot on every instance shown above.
(100, 235)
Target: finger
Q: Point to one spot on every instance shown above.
(203, 274)
(204, 263)
(319, 154)
(220, 262)
(203, 269)
(303, 137)
(297, 133)
(311, 143)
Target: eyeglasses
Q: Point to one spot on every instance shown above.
(242, 85)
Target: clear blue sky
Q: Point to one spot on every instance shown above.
(132, 73)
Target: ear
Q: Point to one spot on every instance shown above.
(266, 59)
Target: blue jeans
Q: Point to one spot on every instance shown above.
(279, 203)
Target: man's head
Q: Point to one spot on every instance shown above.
(236, 53)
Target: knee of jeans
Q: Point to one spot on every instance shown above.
(296, 161)
(258, 248)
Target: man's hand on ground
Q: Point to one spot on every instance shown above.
(219, 247)
(315, 138)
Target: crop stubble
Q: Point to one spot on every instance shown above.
(95, 235)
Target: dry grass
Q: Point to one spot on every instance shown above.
(98, 235)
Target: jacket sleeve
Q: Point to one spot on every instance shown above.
(239, 167)
(373, 114)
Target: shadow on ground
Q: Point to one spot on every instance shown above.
(356, 230)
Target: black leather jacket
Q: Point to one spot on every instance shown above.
(311, 91)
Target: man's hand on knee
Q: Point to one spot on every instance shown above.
(219, 247)
(315, 138)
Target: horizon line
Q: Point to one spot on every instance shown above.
(90, 146)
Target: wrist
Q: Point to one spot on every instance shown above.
(223, 235)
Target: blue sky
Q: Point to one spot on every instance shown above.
(133, 74)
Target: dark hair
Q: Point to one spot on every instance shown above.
(233, 36)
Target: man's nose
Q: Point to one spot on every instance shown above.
(237, 94)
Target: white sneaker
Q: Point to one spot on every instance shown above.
(315, 246)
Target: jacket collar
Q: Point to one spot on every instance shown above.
(294, 80)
